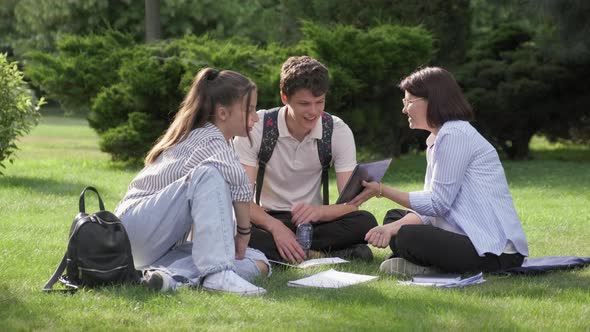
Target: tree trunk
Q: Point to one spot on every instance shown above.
(520, 147)
(153, 28)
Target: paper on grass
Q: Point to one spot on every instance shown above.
(331, 279)
(473, 280)
(436, 278)
(314, 262)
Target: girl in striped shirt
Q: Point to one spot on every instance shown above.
(193, 182)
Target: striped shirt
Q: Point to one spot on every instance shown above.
(202, 146)
(466, 192)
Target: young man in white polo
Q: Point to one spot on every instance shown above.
(291, 180)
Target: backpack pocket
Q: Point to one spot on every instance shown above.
(102, 270)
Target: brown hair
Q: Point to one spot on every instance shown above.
(304, 72)
(445, 98)
(210, 88)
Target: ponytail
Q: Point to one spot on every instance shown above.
(210, 89)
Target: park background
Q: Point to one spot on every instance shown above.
(112, 74)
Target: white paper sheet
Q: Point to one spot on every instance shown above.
(331, 279)
(314, 262)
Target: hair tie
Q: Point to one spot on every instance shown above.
(212, 74)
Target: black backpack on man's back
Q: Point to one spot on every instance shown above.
(99, 251)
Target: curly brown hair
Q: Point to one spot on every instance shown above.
(304, 72)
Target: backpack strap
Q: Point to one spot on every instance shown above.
(60, 270)
(325, 152)
(270, 135)
(75, 224)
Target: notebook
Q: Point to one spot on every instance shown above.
(372, 171)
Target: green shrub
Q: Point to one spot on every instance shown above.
(18, 112)
(132, 140)
(134, 90)
(82, 66)
(366, 66)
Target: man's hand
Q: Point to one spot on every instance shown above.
(287, 244)
(371, 190)
(241, 242)
(380, 236)
(305, 213)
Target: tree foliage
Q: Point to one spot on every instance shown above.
(84, 66)
(366, 66)
(518, 93)
(18, 112)
(133, 90)
(37, 24)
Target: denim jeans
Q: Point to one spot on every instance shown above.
(200, 200)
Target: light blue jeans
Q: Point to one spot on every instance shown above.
(158, 223)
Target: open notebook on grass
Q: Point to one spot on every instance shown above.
(445, 281)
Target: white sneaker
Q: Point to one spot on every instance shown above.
(401, 267)
(158, 281)
(228, 281)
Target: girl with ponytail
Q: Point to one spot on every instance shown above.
(187, 211)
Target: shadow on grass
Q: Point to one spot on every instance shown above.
(46, 186)
(539, 286)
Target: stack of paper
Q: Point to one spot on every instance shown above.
(331, 279)
(436, 279)
(446, 281)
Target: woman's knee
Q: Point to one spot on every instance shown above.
(262, 267)
(365, 219)
(207, 181)
(407, 237)
(394, 215)
(206, 173)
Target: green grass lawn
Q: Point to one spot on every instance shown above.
(39, 198)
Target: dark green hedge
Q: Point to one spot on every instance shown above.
(132, 91)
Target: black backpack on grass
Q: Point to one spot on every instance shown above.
(99, 251)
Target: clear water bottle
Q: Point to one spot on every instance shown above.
(304, 235)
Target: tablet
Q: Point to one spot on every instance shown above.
(372, 171)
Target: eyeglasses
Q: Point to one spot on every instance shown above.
(406, 102)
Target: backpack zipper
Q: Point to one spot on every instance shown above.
(80, 269)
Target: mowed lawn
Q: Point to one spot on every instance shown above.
(39, 199)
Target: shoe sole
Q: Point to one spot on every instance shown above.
(260, 292)
(403, 268)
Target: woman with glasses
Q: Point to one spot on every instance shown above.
(464, 219)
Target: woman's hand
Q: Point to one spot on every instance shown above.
(371, 189)
(380, 236)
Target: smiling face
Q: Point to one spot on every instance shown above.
(304, 111)
(415, 108)
(240, 117)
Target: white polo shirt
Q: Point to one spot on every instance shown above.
(294, 172)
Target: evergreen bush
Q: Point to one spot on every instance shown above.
(18, 110)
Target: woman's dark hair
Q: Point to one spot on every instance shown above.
(445, 98)
(210, 88)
